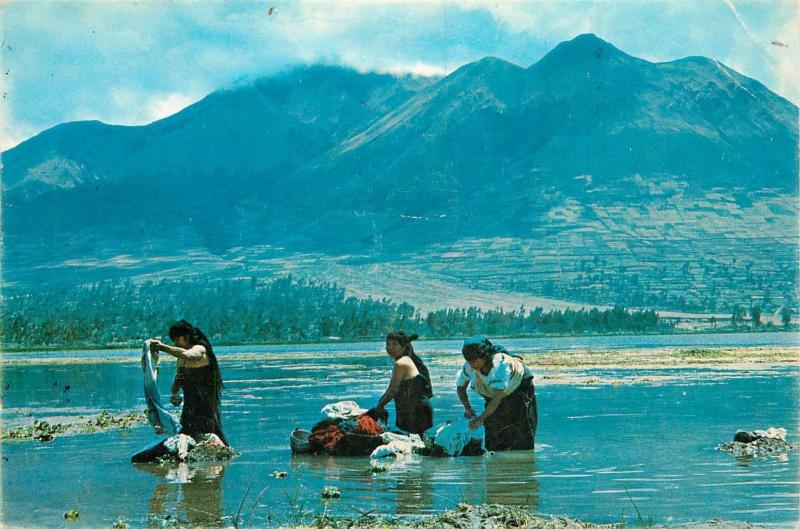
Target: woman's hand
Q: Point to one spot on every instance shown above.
(156, 345)
(477, 422)
(469, 413)
(379, 414)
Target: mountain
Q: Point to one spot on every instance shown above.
(589, 144)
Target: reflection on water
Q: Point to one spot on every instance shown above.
(418, 484)
(191, 493)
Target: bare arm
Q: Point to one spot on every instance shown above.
(195, 352)
(464, 398)
(489, 410)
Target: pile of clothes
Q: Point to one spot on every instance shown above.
(349, 430)
(758, 444)
(346, 430)
(346, 437)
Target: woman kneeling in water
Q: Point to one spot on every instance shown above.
(506, 384)
(410, 386)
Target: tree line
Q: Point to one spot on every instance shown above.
(237, 311)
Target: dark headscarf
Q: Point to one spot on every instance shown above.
(405, 342)
(480, 347)
(197, 337)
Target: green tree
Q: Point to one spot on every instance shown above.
(755, 315)
(786, 316)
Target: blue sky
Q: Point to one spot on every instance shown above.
(134, 62)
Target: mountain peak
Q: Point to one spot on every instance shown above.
(587, 39)
(584, 47)
(488, 65)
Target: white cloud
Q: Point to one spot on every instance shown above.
(138, 107)
(11, 137)
(416, 69)
(165, 105)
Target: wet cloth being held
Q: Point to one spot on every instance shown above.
(161, 420)
(455, 439)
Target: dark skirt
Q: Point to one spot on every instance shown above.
(151, 453)
(513, 425)
(200, 411)
(414, 411)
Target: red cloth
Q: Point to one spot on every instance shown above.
(327, 437)
(366, 425)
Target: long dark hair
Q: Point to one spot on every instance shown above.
(480, 347)
(197, 337)
(405, 342)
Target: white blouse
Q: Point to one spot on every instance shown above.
(506, 375)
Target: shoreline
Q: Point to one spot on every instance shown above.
(463, 516)
(466, 516)
(12, 348)
(492, 515)
(640, 358)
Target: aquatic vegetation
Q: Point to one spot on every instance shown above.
(72, 515)
(209, 451)
(44, 431)
(330, 493)
(466, 516)
(702, 353)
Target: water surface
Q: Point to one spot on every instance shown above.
(602, 451)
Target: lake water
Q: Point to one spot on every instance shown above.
(603, 451)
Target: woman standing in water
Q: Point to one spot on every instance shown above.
(200, 378)
(506, 384)
(410, 387)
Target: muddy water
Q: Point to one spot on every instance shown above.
(603, 451)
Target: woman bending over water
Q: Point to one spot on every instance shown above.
(506, 384)
(200, 378)
(410, 387)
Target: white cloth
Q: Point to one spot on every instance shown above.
(346, 409)
(397, 445)
(453, 437)
(180, 445)
(772, 433)
(506, 375)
